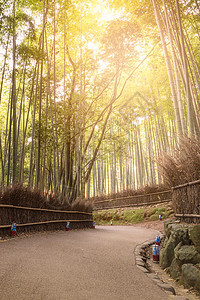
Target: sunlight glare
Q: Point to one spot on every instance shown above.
(92, 46)
(104, 13)
(103, 64)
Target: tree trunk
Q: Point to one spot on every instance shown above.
(14, 100)
(186, 74)
(169, 67)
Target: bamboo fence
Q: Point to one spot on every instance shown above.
(186, 202)
(37, 219)
(131, 201)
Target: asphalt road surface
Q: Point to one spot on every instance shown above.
(96, 264)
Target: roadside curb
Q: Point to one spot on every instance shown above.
(141, 262)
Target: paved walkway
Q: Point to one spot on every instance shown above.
(76, 265)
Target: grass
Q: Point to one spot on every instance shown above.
(132, 216)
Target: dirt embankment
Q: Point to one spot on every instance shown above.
(148, 217)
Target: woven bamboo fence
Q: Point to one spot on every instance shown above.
(186, 202)
(131, 201)
(37, 219)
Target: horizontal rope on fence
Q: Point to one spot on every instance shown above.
(131, 197)
(133, 205)
(187, 215)
(186, 184)
(44, 209)
(45, 222)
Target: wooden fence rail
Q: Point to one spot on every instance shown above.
(36, 219)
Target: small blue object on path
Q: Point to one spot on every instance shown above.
(67, 226)
(13, 228)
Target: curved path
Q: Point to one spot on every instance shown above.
(76, 265)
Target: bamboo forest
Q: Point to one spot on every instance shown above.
(93, 92)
